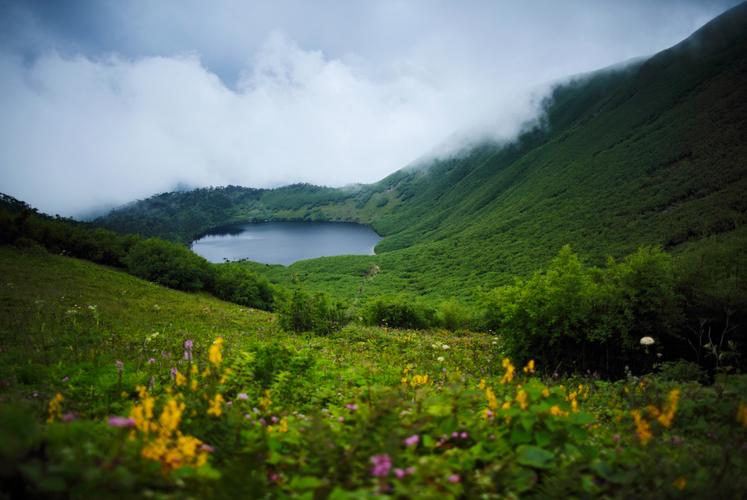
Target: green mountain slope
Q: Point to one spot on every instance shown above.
(653, 153)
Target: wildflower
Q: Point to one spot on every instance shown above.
(173, 372)
(529, 368)
(508, 376)
(188, 350)
(546, 392)
(282, 425)
(742, 414)
(464, 435)
(647, 341)
(440, 359)
(454, 478)
(215, 354)
(400, 473)
(418, 380)
(151, 361)
(265, 401)
(242, 396)
(179, 379)
(492, 400)
(382, 464)
(445, 347)
(125, 422)
(120, 366)
(666, 416)
(412, 440)
(55, 408)
(351, 406)
(642, 428)
(557, 412)
(521, 398)
(482, 384)
(207, 448)
(216, 407)
(65, 379)
(680, 483)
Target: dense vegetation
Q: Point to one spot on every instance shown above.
(478, 355)
(156, 260)
(155, 392)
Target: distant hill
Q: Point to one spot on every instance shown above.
(651, 153)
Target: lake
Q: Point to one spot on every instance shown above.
(286, 242)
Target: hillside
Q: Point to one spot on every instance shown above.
(652, 153)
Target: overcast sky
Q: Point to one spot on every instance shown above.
(106, 101)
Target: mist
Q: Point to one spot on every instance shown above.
(104, 103)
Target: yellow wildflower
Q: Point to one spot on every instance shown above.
(215, 353)
(282, 426)
(557, 412)
(55, 408)
(742, 414)
(492, 400)
(666, 417)
(546, 392)
(642, 428)
(529, 368)
(509, 375)
(179, 379)
(506, 405)
(418, 380)
(226, 373)
(142, 413)
(265, 401)
(482, 384)
(193, 384)
(521, 398)
(216, 406)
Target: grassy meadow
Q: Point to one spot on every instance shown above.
(116, 387)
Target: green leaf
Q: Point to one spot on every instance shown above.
(305, 483)
(534, 456)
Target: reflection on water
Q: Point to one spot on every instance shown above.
(286, 242)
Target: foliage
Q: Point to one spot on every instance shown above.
(318, 313)
(236, 284)
(168, 264)
(398, 312)
(572, 317)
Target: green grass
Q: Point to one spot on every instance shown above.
(305, 439)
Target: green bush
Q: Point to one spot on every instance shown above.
(241, 286)
(168, 264)
(318, 313)
(399, 312)
(572, 317)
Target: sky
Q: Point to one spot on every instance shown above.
(104, 102)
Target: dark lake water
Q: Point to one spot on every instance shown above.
(286, 242)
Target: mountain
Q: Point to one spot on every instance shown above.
(654, 152)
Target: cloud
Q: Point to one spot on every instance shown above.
(111, 102)
(80, 133)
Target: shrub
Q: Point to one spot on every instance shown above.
(573, 317)
(318, 313)
(239, 285)
(168, 264)
(398, 312)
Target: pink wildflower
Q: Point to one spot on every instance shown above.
(242, 396)
(454, 478)
(115, 421)
(382, 464)
(412, 440)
